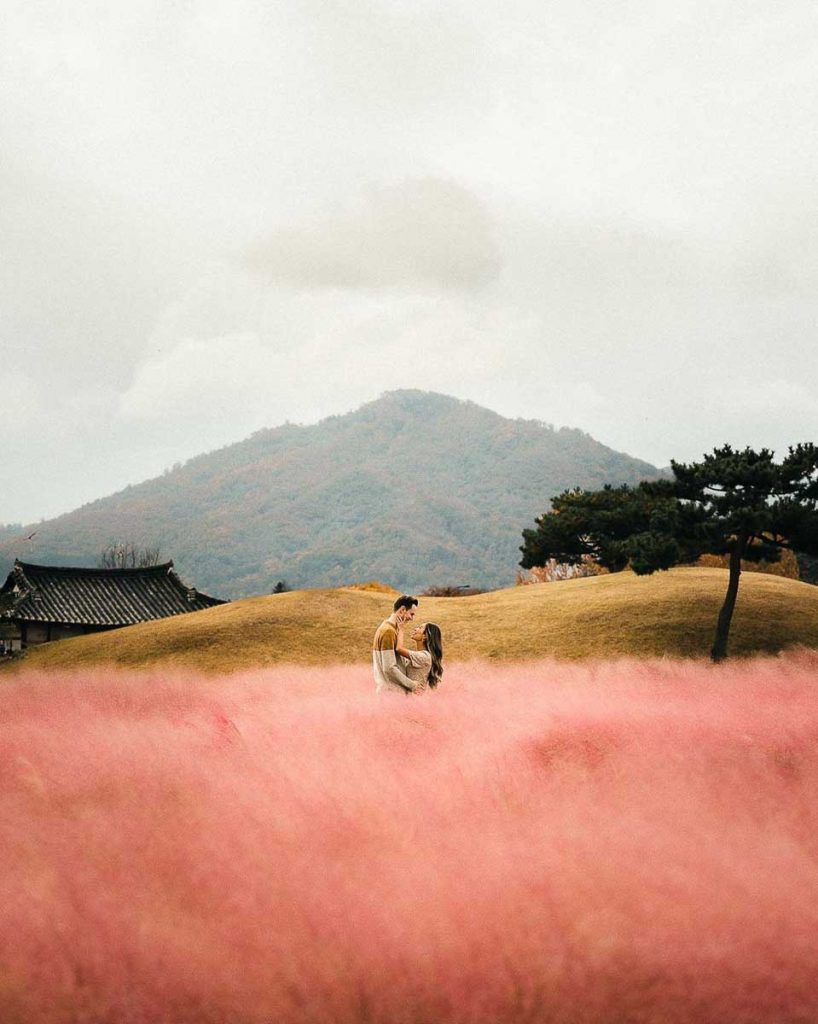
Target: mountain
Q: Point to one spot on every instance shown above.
(414, 489)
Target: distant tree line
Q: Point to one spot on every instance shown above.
(451, 590)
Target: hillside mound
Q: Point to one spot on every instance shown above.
(373, 586)
(672, 613)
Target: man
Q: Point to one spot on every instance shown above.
(389, 675)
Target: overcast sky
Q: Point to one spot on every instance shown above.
(217, 216)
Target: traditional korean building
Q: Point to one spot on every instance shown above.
(39, 603)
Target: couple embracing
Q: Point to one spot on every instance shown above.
(397, 668)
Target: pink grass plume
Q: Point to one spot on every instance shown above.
(626, 841)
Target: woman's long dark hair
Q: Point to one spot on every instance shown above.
(434, 645)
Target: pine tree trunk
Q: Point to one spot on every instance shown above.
(719, 651)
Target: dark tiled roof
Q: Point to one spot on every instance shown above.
(99, 597)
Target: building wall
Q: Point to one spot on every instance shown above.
(63, 632)
(34, 633)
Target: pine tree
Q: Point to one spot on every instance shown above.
(739, 503)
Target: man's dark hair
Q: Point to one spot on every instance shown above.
(404, 601)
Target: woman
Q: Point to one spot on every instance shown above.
(425, 664)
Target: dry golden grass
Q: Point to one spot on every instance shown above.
(672, 613)
(375, 586)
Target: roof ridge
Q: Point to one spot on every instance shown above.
(100, 597)
(95, 569)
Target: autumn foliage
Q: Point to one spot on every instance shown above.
(630, 842)
(553, 571)
(786, 566)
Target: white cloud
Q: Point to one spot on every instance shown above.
(311, 355)
(207, 384)
(420, 233)
(773, 412)
(23, 408)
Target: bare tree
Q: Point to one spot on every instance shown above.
(126, 555)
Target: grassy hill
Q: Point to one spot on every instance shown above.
(416, 488)
(672, 613)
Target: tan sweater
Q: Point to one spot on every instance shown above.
(386, 667)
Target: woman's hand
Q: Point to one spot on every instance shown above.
(400, 645)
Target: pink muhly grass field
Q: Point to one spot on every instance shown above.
(605, 843)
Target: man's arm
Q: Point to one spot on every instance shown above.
(392, 670)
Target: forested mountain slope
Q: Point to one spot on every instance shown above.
(414, 489)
